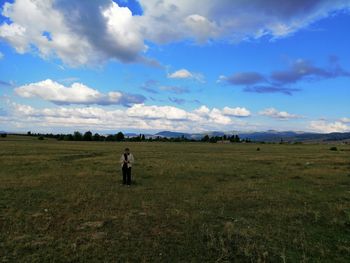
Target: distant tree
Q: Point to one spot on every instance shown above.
(77, 136)
(205, 138)
(224, 137)
(119, 137)
(96, 137)
(41, 138)
(3, 135)
(143, 138)
(136, 138)
(110, 138)
(213, 139)
(29, 133)
(87, 136)
(237, 139)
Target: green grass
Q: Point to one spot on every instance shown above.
(192, 202)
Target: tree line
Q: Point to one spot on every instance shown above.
(118, 137)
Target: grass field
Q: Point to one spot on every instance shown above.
(192, 202)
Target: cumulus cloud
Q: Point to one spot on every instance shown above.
(180, 74)
(138, 116)
(280, 81)
(83, 32)
(185, 74)
(327, 127)
(78, 32)
(77, 93)
(235, 20)
(237, 112)
(281, 115)
(302, 69)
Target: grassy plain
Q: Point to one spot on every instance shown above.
(192, 202)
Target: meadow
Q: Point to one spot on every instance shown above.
(191, 202)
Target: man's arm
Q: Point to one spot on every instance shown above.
(131, 159)
(121, 160)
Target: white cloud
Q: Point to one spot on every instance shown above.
(237, 112)
(235, 20)
(281, 115)
(77, 93)
(327, 127)
(185, 74)
(76, 32)
(221, 79)
(202, 110)
(345, 120)
(157, 112)
(181, 74)
(139, 116)
(81, 33)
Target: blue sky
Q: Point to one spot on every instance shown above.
(148, 66)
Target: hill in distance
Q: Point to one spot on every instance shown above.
(266, 136)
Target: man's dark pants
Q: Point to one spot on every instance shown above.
(126, 175)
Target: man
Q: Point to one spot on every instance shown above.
(126, 161)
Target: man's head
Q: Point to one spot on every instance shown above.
(127, 150)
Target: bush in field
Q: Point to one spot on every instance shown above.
(3, 135)
(333, 148)
(41, 138)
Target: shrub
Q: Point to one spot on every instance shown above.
(40, 138)
(333, 148)
(3, 135)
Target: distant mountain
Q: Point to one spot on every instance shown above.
(170, 134)
(266, 136)
(131, 134)
(2, 132)
(269, 136)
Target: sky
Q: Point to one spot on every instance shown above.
(179, 65)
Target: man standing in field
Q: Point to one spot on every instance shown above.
(126, 161)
